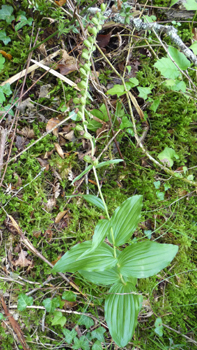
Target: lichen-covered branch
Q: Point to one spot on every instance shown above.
(139, 24)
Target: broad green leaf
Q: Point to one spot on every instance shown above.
(125, 220)
(193, 47)
(58, 319)
(51, 304)
(98, 334)
(146, 258)
(190, 5)
(144, 92)
(179, 58)
(24, 301)
(104, 277)
(6, 13)
(94, 200)
(3, 36)
(86, 321)
(101, 231)
(167, 155)
(1, 316)
(83, 173)
(167, 68)
(2, 96)
(98, 260)
(93, 125)
(108, 162)
(121, 312)
(69, 335)
(69, 296)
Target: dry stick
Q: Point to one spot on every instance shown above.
(185, 336)
(30, 247)
(15, 326)
(3, 135)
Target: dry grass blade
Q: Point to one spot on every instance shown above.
(58, 75)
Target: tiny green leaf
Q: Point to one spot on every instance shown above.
(144, 92)
(6, 39)
(98, 334)
(51, 304)
(158, 327)
(86, 321)
(193, 47)
(58, 319)
(69, 296)
(94, 200)
(97, 345)
(2, 61)
(82, 174)
(167, 155)
(69, 335)
(146, 258)
(24, 301)
(108, 162)
(6, 13)
(116, 90)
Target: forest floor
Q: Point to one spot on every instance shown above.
(140, 119)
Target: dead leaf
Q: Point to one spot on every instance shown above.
(103, 39)
(44, 91)
(48, 234)
(60, 2)
(59, 216)
(59, 150)
(51, 203)
(69, 304)
(56, 190)
(68, 64)
(51, 124)
(70, 136)
(44, 163)
(27, 132)
(6, 55)
(22, 261)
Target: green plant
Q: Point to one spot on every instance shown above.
(107, 265)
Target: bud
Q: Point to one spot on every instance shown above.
(83, 100)
(85, 55)
(76, 100)
(87, 43)
(82, 84)
(95, 21)
(95, 162)
(78, 127)
(87, 136)
(103, 7)
(87, 159)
